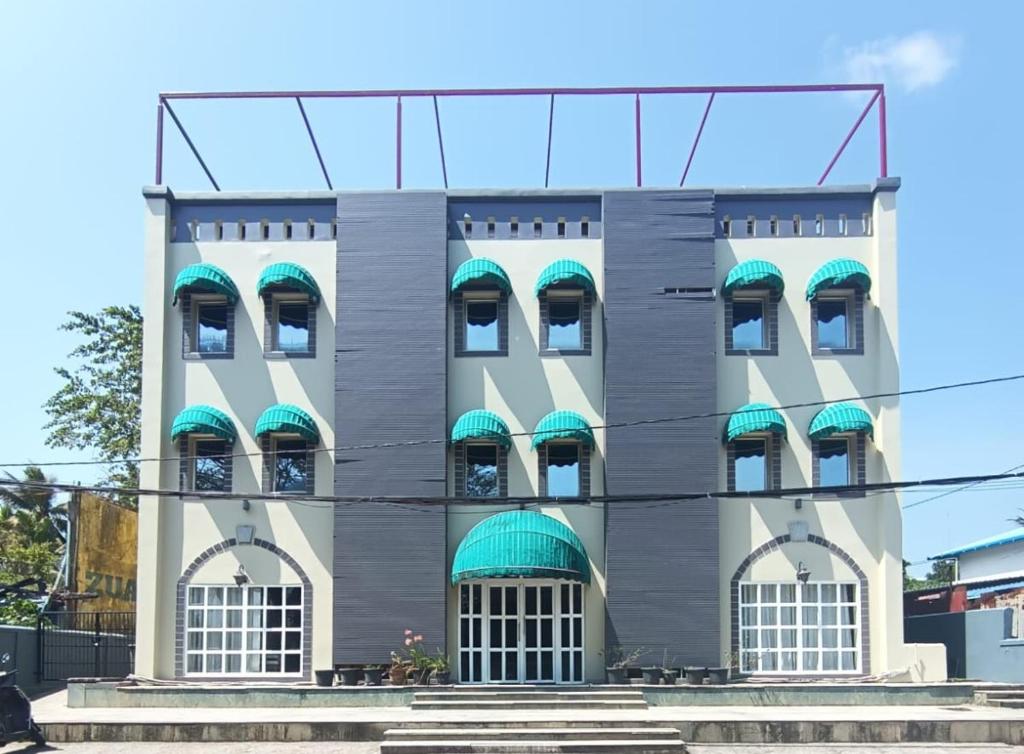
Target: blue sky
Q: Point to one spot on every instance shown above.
(77, 136)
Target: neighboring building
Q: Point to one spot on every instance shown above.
(427, 344)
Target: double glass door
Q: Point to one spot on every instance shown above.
(523, 631)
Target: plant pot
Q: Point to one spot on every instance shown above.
(617, 676)
(324, 677)
(372, 676)
(719, 676)
(442, 677)
(670, 676)
(398, 675)
(695, 676)
(422, 677)
(350, 676)
(652, 676)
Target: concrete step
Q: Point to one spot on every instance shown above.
(531, 733)
(635, 746)
(485, 722)
(531, 704)
(515, 696)
(1007, 703)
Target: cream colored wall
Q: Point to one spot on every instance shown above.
(174, 531)
(523, 387)
(867, 528)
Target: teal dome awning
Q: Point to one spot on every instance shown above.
(754, 273)
(754, 417)
(565, 271)
(286, 418)
(203, 420)
(840, 417)
(562, 425)
(520, 544)
(839, 273)
(481, 425)
(206, 278)
(481, 271)
(289, 275)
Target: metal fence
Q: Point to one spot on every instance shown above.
(85, 645)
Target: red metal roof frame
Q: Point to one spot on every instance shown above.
(165, 98)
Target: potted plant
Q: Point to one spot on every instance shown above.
(720, 675)
(442, 669)
(324, 677)
(350, 676)
(398, 673)
(619, 661)
(372, 674)
(695, 676)
(415, 657)
(668, 675)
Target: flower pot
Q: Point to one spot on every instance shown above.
(398, 675)
(372, 676)
(350, 676)
(670, 676)
(695, 676)
(422, 677)
(324, 677)
(652, 676)
(617, 676)
(442, 677)
(718, 676)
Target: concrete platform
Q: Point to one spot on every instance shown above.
(705, 724)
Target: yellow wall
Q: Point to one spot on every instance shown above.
(105, 542)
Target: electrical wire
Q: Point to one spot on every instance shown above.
(612, 425)
(953, 492)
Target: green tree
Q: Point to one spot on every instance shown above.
(98, 406)
(942, 572)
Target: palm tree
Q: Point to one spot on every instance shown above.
(33, 509)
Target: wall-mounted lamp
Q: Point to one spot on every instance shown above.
(798, 503)
(246, 505)
(802, 573)
(241, 577)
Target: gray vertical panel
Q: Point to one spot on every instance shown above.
(389, 561)
(662, 561)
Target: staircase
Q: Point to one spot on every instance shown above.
(1007, 696)
(581, 730)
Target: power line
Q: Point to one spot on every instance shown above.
(947, 493)
(612, 425)
(440, 501)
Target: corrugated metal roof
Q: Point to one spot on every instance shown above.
(1007, 537)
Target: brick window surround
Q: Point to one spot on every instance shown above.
(268, 327)
(542, 470)
(586, 324)
(773, 444)
(188, 313)
(459, 320)
(459, 449)
(771, 323)
(267, 487)
(776, 544)
(854, 312)
(857, 447)
(182, 591)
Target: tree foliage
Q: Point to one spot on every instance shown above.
(98, 406)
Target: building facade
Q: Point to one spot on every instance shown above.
(421, 345)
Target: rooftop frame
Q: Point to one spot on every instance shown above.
(878, 97)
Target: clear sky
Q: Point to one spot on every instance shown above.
(77, 141)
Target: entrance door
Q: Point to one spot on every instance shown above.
(521, 632)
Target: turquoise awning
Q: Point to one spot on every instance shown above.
(481, 425)
(754, 417)
(206, 278)
(289, 275)
(839, 273)
(840, 417)
(481, 271)
(562, 425)
(286, 418)
(521, 544)
(203, 420)
(565, 271)
(754, 273)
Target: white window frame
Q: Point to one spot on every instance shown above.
(197, 301)
(766, 621)
(195, 439)
(201, 612)
(574, 650)
(745, 297)
(471, 297)
(561, 295)
(850, 300)
(851, 458)
(276, 300)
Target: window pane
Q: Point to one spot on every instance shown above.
(751, 465)
(211, 462)
(748, 325)
(834, 463)
(212, 328)
(290, 466)
(564, 323)
(481, 325)
(293, 326)
(563, 470)
(832, 326)
(482, 470)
